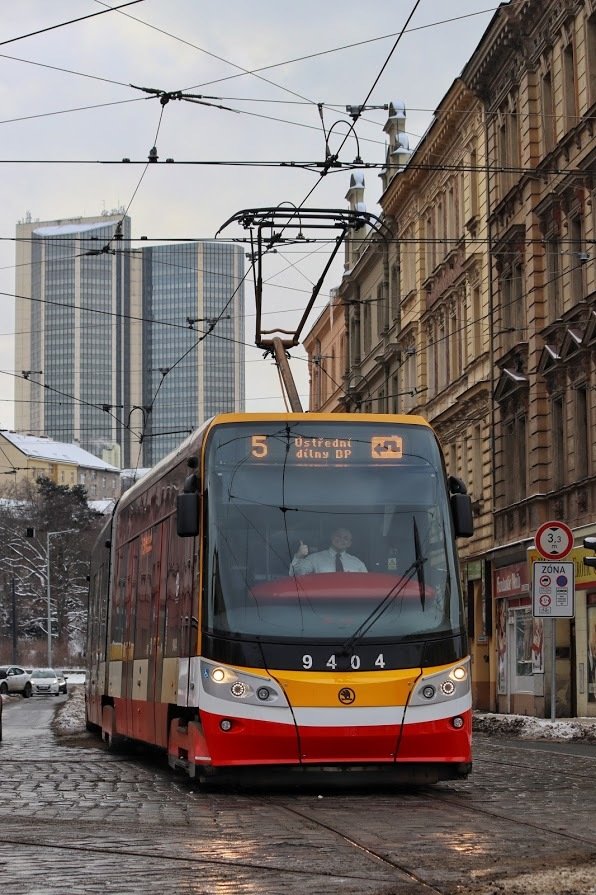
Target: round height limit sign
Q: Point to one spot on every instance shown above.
(554, 540)
(553, 580)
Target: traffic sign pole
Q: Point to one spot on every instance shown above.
(553, 587)
(553, 675)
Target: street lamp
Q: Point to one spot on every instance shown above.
(51, 534)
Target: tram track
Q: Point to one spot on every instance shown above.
(350, 840)
(270, 870)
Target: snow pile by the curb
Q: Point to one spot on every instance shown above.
(70, 717)
(529, 728)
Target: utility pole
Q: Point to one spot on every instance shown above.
(51, 534)
(14, 621)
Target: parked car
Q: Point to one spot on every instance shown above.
(14, 679)
(45, 682)
(62, 681)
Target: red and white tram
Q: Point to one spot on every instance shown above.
(203, 642)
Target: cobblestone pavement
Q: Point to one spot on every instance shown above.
(76, 819)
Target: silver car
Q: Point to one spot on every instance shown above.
(45, 682)
(14, 679)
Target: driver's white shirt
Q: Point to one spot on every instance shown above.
(324, 561)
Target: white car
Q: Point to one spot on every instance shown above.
(14, 679)
(45, 682)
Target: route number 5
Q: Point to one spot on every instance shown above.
(259, 446)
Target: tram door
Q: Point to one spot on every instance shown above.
(126, 724)
(158, 611)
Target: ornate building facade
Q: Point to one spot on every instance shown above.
(478, 311)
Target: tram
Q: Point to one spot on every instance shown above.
(205, 641)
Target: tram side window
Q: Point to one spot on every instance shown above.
(117, 617)
(172, 644)
(143, 609)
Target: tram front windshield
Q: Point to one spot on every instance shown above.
(277, 497)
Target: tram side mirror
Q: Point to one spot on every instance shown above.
(590, 544)
(187, 508)
(463, 518)
(456, 485)
(187, 515)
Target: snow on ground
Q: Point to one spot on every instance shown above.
(529, 728)
(70, 716)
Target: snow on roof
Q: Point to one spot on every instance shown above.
(67, 229)
(135, 474)
(102, 506)
(57, 451)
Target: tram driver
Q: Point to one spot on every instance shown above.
(334, 559)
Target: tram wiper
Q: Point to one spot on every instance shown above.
(419, 564)
(416, 567)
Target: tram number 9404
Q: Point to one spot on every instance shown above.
(333, 663)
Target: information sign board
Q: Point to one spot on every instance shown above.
(553, 589)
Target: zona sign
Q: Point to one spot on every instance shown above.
(554, 540)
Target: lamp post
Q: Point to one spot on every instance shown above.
(51, 534)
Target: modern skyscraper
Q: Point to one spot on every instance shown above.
(194, 360)
(108, 346)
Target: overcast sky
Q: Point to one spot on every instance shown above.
(66, 96)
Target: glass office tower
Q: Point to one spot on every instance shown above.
(73, 331)
(111, 350)
(193, 339)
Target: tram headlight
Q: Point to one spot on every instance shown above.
(239, 685)
(450, 684)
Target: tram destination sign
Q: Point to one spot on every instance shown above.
(553, 589)
(306, 450)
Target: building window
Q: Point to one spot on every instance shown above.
(394, 395)
(455, 359)
(354, 339)
(513, 304)
(569, 86)
(408, 252)
(554, 288)
(476, 322)
(548, 113)
(431, 382)
(367, 326)
(508, 140)
(591, 66)
(576, 265)
(474, 208)
(558, 435)
(515, 459)
(582, 432)
(430, 243)
(395, 292)
(382, 311)
(476, 462)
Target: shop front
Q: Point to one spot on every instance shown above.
(519, 643)
(576, 642)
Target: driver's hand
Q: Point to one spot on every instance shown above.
(302, 551)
